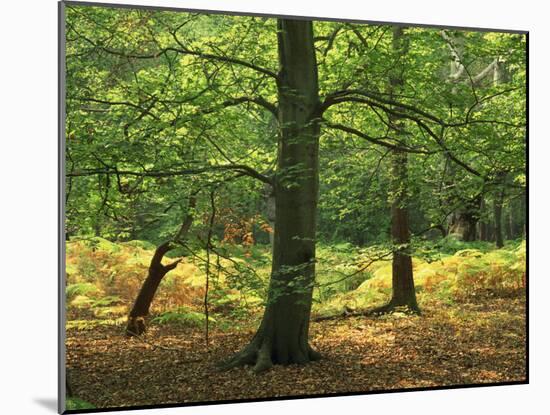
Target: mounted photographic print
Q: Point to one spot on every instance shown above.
(265, 207)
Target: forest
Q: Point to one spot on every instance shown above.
(263, 207)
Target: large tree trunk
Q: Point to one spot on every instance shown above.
(270, 212)
(464, 221)
(136, 324)
(282, 337)
(463, 226)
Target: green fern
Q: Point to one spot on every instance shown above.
(182, 316)
(80, 288)
(105, 301)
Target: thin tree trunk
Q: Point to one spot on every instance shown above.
(491, 231)
(403, 291)
(483, 229)
(136, 324)
(500, 76)
(510, 229)
(136, 319)
(282, 337)
(497, 210)
(463, 222)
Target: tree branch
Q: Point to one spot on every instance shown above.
(115, 103)
(186, 51)
(461, 67)
(375, 140)
(246, 170)
(373, 99)
(182, 50)
(262, 102)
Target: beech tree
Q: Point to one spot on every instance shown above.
(192, 100)
(403, 292)
(283, 333)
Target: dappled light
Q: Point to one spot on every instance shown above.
(263, 207)
(472, 330)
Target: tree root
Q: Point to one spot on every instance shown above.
(135, 326)
(314, 355)
(392, 307)
(245, 357)
(378, 311)
(345, 314)
(263, 362)
(261, 357)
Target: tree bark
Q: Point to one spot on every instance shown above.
(463, 226)
(270, 212)
(403, 291)
(464, 221)
(491, 231)
(498, 202)
(136, 324)
(136, 319)
(483, 228)
(510, 229)
(500, 75)
(497, 210)
(282, 337)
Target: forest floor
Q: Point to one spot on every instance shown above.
(475, 342)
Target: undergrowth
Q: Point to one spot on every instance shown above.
(103, 279)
